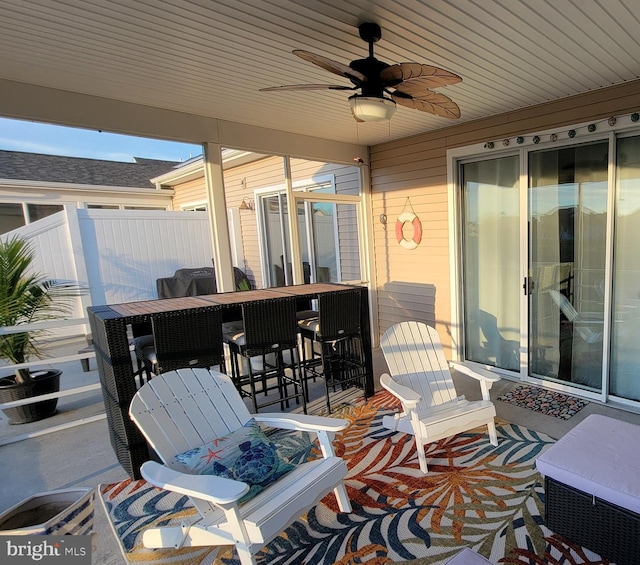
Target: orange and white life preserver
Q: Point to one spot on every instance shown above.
(417, 230)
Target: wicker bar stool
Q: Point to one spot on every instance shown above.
(142, 338)
(334, 343)
(184, 339)
(264, 355)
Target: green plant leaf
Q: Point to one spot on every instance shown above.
(27, 297)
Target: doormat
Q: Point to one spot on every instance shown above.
(547, 402)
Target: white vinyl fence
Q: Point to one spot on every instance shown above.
(119, 254)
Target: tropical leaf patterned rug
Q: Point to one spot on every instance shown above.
(475, 495)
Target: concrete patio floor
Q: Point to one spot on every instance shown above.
(82, 455)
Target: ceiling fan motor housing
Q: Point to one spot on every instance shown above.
(370, 68)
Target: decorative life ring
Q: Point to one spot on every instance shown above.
(417, 230)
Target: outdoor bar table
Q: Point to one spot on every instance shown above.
(109, 325)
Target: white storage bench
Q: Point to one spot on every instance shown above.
(592, 487)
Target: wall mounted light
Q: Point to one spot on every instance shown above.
(246, 204)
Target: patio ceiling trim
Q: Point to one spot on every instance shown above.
(38, 103)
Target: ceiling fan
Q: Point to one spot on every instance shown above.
(407, 84)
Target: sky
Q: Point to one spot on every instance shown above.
(33, 137)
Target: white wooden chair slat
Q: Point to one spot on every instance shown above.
(199, 416)
(154, 421)
(417, 363)
(584, 328)
(233, 409)
(433, 365)
(173, 392)
(183, 409)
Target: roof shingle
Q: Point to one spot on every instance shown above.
(17, 165)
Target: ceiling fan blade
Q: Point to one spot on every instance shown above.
(429, 76)
(427, 101)
(307, 87)
(330, 65)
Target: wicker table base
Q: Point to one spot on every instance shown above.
(609, 530)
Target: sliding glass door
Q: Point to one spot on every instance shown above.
(491, 256)
(328, 236)
(624, 374)
(550, 290)
(566, 263)
(274, 215)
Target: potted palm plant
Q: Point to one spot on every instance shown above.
(27, 297)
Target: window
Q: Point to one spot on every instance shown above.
(39, 211)
(316, 226)
(144, 208)
(13, 216)
(194, 208)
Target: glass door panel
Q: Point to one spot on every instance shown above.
(491, 289)
(567, 235)
(328, 236)
(276, 242)
(624, 360)
(334, 242)
(323, 266)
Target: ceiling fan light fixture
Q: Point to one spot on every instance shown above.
(371, 108)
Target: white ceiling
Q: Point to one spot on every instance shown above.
(211, 57)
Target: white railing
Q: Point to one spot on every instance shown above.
(43, 325)
(88, 354)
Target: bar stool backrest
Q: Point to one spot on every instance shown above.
(339, 315)
(188, 339)
(270, 325)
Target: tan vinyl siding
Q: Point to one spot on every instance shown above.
(258, 174)
(189, 194)
(415, 284)
(347, 178)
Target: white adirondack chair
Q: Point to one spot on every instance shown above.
(420, 378)
(182, 409)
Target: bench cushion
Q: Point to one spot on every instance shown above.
(600, 457)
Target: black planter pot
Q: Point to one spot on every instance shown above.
(44, 382)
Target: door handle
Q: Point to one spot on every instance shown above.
(528, 285)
